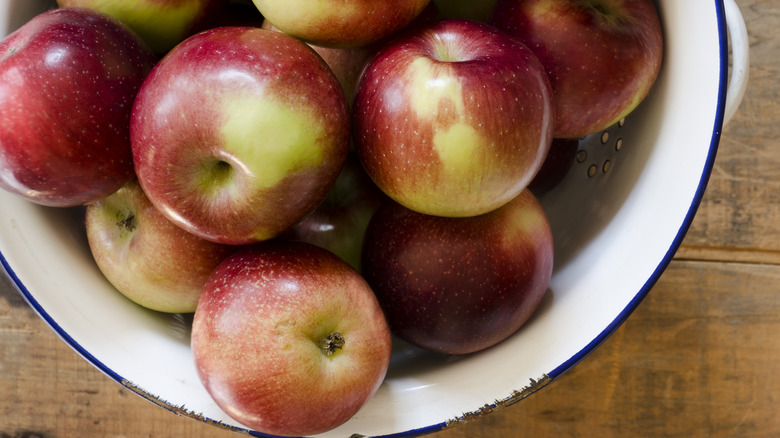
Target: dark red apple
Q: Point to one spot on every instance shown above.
(459, 285)
(68, 79)
(602, 56)
(289, 339)
(346, 63)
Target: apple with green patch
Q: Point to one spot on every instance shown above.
(238, 133)
(336, 23)
(602, 56)
(147, 258)
(288, 339)
(161, 23)
(453, 118)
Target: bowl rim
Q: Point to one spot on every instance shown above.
(558, 371)
(695, 203)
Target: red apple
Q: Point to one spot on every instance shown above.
(339, 222)
(453, 119)
(459, 285)
(336, 23)
(602, 56)
(288, 339)
(238, 133)
(161, 23)
(146, 257)
(68, 78)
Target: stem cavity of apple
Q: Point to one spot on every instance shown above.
(447, 49)
(127, 224)
(216, 174)
(605, 11)
(331, 343)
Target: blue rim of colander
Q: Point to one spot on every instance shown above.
(553, 374)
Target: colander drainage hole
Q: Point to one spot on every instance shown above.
(593, 169)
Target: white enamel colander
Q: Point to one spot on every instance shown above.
(618, 216)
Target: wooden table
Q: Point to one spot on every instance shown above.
(700, 357)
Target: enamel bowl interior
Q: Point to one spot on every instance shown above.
(618, 217)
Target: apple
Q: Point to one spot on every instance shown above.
(68, 78)
(335, 23)
(161, 23)
(459, 285)
(556, 165)
(602, 56)
(238, 133)
(453, 119)
(339, 223)
(288, 339)
(147, 258)
(478, 10)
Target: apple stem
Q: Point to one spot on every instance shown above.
(331, 343)
(127, 223)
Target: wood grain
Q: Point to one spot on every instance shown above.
(740, 215)
(698, 358)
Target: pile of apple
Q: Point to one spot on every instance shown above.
(311, 178)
